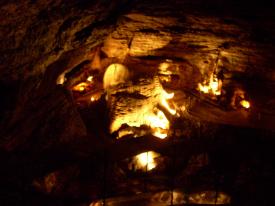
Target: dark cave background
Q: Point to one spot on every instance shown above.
(54, 152)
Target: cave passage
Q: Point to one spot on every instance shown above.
(137, 102)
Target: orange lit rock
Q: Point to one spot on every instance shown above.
(80, 87)
(245, 104)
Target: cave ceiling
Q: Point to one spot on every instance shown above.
(76, 76)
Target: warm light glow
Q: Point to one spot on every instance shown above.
(213, 87)
(167, 95)
(159, 124)
(97, 203)
(245, 104)
(92, 99)
(164, 102)
(182, 108)
(90, 78)
(165, 78)
(209, 197)
(61, 79)
(80, 87)
(163, 68)
(162, 134)
(146, 160)
(114, 75)
(159, 121)
(145, 112)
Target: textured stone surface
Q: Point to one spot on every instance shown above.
(54, 153)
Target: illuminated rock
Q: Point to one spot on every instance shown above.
(137, 105)
(114, 75)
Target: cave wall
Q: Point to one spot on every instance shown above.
(42, 39)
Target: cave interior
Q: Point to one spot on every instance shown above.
(137, 103)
